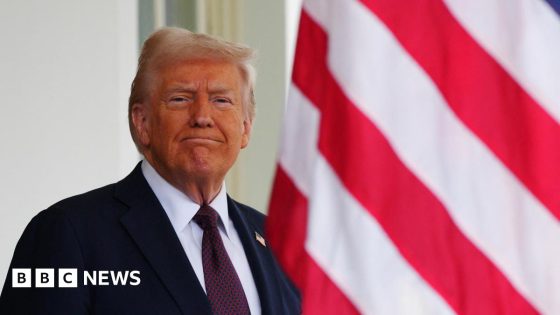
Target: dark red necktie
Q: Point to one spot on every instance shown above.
(223, 287)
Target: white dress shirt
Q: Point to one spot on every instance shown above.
(181, 209)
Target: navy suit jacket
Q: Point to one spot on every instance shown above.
(123, 227)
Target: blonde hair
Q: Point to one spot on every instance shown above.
(170, 45)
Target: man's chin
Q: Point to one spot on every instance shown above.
(199, 167)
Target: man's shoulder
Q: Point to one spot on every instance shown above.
(82, 224)
(92, 197)
(96, 201)
(79, 210)
(249, 211)
(254, 216)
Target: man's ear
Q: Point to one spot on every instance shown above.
(247, 128)
(140, 120)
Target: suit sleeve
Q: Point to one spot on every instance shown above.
(49, 241)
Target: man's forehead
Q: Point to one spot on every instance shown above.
(192, 72)
(198, 63)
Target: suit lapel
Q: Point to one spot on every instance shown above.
(152, 231)
(260, 261)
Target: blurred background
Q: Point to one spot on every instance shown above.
(65, 73)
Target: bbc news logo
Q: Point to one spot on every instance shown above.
(68, 278)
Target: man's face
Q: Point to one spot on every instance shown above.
(195, 123)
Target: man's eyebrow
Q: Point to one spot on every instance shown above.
(220, 88)
(221, 91)
(181, 88)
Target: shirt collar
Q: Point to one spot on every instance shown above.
(179, 207)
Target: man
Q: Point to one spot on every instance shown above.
(194, 249)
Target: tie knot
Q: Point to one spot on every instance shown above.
(206, 217)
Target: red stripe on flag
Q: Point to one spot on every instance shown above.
(415, 220)
(306, 57)
(286, 230)
(286, 224)
(481, 93)
(322, 296)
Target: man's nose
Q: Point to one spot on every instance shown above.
(201, 114)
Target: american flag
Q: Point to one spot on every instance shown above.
(419, 170)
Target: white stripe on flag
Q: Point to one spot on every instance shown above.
(298, 146)
(343, 238)
(485, 200)
(524, 37)
(355, 251)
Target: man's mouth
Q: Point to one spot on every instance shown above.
(201, 140)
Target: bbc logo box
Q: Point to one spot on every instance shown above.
(44, 278)
(67, 278)
(21, 278)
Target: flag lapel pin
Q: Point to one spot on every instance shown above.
(260, 239)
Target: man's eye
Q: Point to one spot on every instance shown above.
(178, 102)
(222, 100)
(179, 99)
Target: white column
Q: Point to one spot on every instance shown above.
(66, 68)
